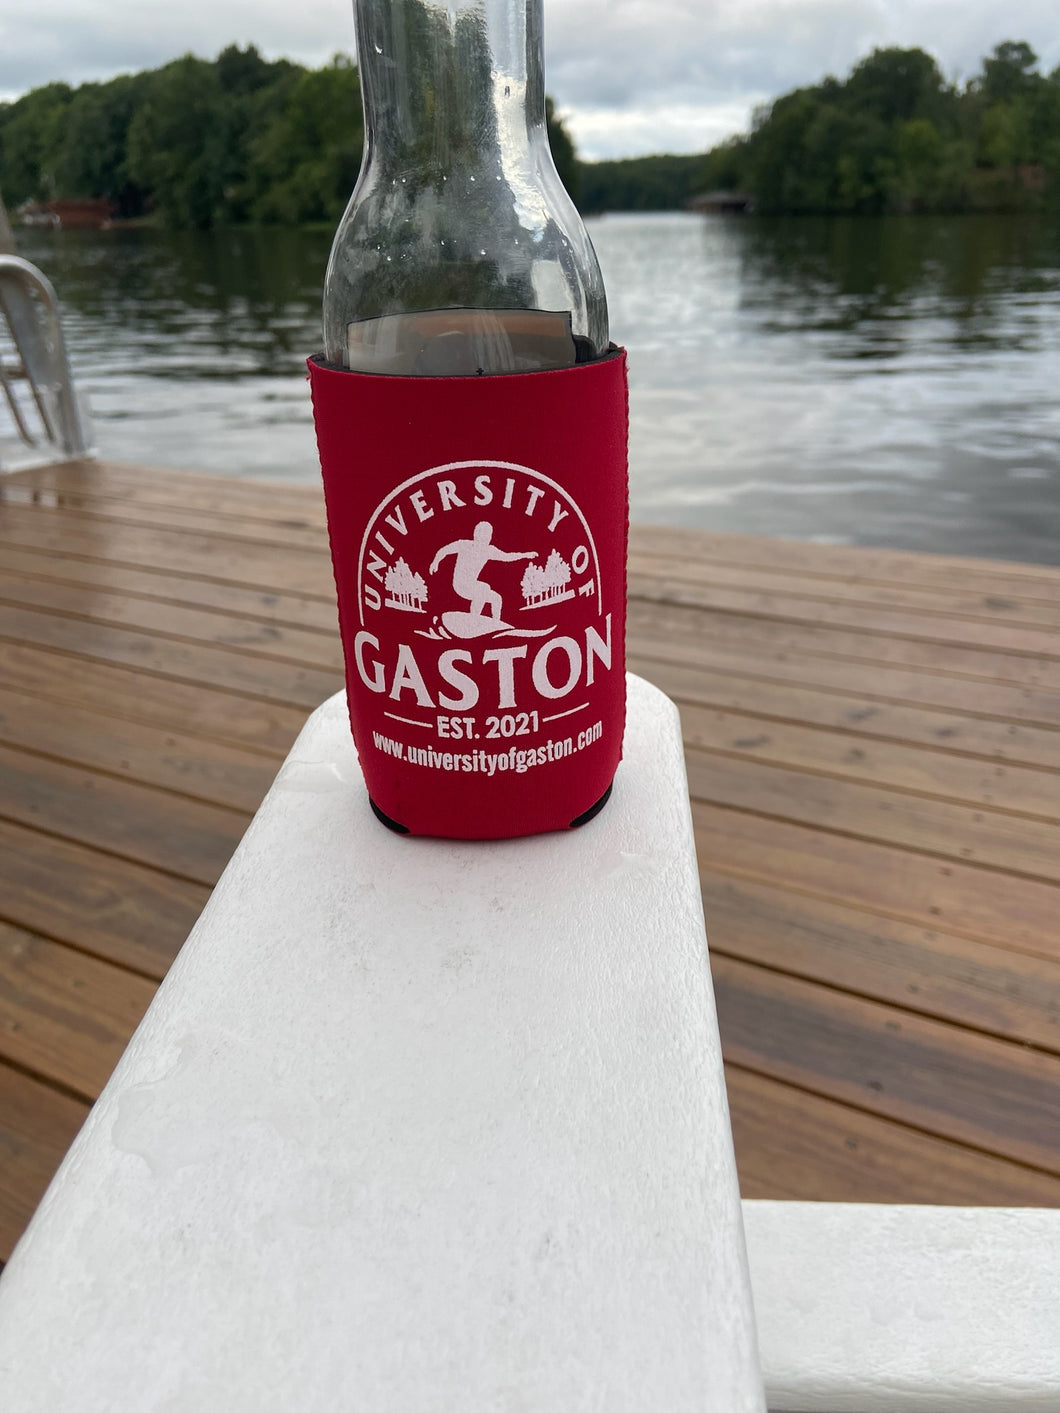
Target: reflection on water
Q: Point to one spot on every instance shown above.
(878, 381)
(872, 381)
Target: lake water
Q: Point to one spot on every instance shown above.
(886, 381)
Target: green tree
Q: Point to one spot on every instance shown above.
(662, 183)
(304, 156)
(919, 153)
(91, 160)
(723, 168)
(1005, 137)
(563, 153)
(32, 132)
(180, 145)
(894, 136)
(897, 85)
(1009, 72)
(188, 142)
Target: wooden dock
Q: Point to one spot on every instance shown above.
(873, 745)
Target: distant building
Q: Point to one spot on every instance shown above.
(736, 202)
(94, 213)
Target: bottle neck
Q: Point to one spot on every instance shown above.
(458, 208)
(450, 84)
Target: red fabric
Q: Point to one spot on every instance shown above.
(478, 533)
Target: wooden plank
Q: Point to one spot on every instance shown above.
(239, 494)
(152, 755)
(206, 711)
(185, 837)
(269, 678)
(1028, 847)
(167, 619)
(861, 563)
(65, 1016)
(854, 719)
(721, 650)
(226, 559)
(81, 513)
(154, 488)
(78, 510)
(672, 626)
(109, 907)
(765, 556)
(1018, 915)
(994, 1096)
(807, 610)
(920, 969)
(942, 600)
(801, 1147)
(817, 687)
(100, 576)
(37, 1126)
(923, 770)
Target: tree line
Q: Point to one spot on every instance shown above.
(201, 142)
(240, 139)
(896, 136)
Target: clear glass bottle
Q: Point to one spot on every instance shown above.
(460, 251)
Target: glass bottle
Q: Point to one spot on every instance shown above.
(471, 418)
(460, 251)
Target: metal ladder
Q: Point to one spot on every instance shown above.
(36, 385)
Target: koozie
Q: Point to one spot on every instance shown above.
(478, 532)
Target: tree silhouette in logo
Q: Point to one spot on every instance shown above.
(547, 584)
(406, 589)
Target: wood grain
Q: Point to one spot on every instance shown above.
(170, 759)
(920, 969)
(988, 1094)
(112, 908)
(769, 638)
(172, 833)
(173, 620)
(940, 629)
(873, 747)
(37, 1125)
(292, 609)
(959, 597)
(224, 558)
(802, 1147)
(65, 1016)
(293, 531)
(849, 717)
(851, 563)
(205, 664)
(724, 648)
(1016, 844)
(148, 486)
(1015, 914)
(204, 709)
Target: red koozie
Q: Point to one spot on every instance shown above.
(478, 533)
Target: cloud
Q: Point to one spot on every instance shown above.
(623, 69)
(680, 75)
(639, 131)
(699, 51)
(80, 40)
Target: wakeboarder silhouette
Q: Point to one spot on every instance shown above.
(472, 556)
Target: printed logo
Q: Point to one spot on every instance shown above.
(479, 591)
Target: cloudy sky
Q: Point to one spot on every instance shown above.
(632, 76)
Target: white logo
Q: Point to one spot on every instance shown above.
(479, 552)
